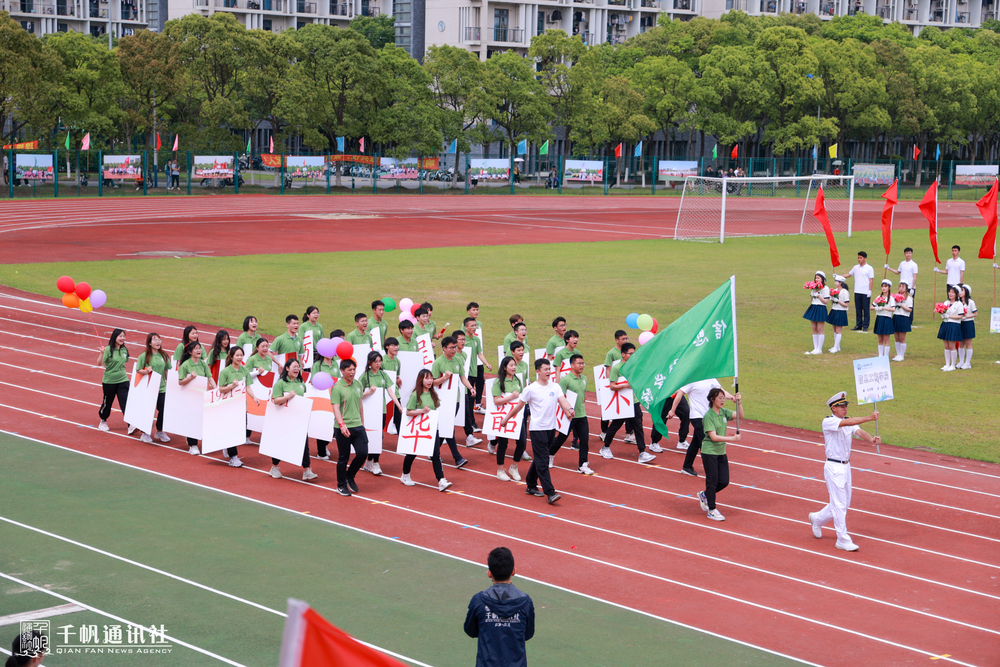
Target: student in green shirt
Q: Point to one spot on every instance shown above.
(509, 338)
(285, 389)
(153, 358)
(260, 361)
(558, 338)
(444, 367)
(310, 322)
(619, 383)
(517, 350)
(192, 366)
(190, 335)
(422, 401)
(424, 324)
(520, 336)
(613, 355)
(576, 381)
(473, 333)
(465, 350)
(378, 320)
(571, 339)
(372, 380)
(408, 342)
(249, 335)
(391, 363)
(350, 428)
(713, 449)
(218, 351)
(507, 389)
(360, 335)
(115, 380)
(430, 324)
(236, 371)
(289, 342)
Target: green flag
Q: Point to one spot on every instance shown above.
(715, 152)
(248, 144)
(67, 139)
(544, 150)
(699, 345)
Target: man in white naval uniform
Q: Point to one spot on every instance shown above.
(837, 433)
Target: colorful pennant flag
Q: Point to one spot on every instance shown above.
(271, 145)
(522, 147)
(453, 147)
(158, 144)
(248, 144)
(177, 141)
(638, 150)
(362, 144)
(67, 139)
(820, 214)
(916, 152)
(618, 150)
(988, 209)
(891, 197)
(715, 152)
(544, 150)
(928, 206)
(736, 152)
(340, 144)
(938, 156)
(86, 142)
(833, 151)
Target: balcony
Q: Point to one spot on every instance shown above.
(272, 5)
(585, 36)
(231, 4)
(370, 10)
(827, 9)
(768, 6)
(65, 10)
(620, 3)
(302, 7)
(508, 35)
(338, 10)
(201, 3)
(798, 7)
(472, 34)
(655, 4)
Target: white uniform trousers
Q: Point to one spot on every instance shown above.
(838, 483)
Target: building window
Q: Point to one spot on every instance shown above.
(62, 27)
(300, 24)
(267, 25)
(29, 26)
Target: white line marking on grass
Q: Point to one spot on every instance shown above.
(58, 610)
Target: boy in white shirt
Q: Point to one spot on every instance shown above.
(907, 273)
(864, 280)
(955, 268)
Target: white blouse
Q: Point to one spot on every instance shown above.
(970, 312)
(841, 300)
(819, 295)
(954, 313)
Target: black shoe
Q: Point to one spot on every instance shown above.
(553, 498)
(343, 490)
(857, 328)
(352, 486)
(864, 331)
(534, 492)
(461, 463)
(689, 471)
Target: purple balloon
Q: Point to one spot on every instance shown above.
(322, 380)
(98, 298)
(326, 348)
(337, 340)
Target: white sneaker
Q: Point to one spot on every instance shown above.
(514, 474)
(104, 425)
(476, 429)
(683, 445)
(526, 457)
(715, 515)
(585, 469)
(324, 458)
(503, 476)
(810, 352)
(146, 439)
(376, 469)
(703, 501)
(472, 441)
(275, 472)
(629, 439)
(654, 447)
(248, 441)
(948, 369)
(897, 358)
(443, 484)
(490, 447)
(603, 435)
(606, 453)
(646, 457)
(405, 479)
(225, 454)
(193, 450)
(817, 530)
(308, 474)
(367, 467)
(235, 462)
(163, 437)
(552, 461)
(966, 366)
(834, 350)
(850, 546)
(131, 430)
(480, 411)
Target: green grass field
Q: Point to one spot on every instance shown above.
(594, 286)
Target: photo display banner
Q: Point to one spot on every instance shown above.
(305, 167)
(874, 174)
(125, 167)
(669, 170)
(213, 166)
(33, 167)
(489, 170)
(979, 175)
(584, 170)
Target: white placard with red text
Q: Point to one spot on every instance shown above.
(375, 333)
(309, 345)
(495, 413)
(425, 346)
(225, 420)
(285, 429)
(321, 419)
(563, 419)
(418, 434)
(261, 387)
(143, 391)
(410, 363)
(184, 407)
(448, 396)
(614, 404)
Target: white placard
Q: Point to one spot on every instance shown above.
(261, 388)
(467, 350)
(184, 407)
(614, 404)
(482, 339)
(286, 428)
(994, 320)
(321, 418)
(563, 419)
(376, 335)
(360, 356)
(426, 348)
(556, 351)
(495, 413)
(308, 344)
(143, 391)
(539, 354)
(225, 419)
(247, 350)
(448, 397)
(562, 369)
(410, 363)
(873, 380)
(418, 434)
(500, 355)
(372, 409)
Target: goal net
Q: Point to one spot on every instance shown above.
(715, 208)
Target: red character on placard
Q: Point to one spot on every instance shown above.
(419, 428)
(616, 399)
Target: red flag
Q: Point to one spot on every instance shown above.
(157, 141)
(618, 150)
(916, 152)
(890, 203)
(928, 206)
(309, 640)
(177, 139)
(820, 214)
(736, 152)
(988, 209)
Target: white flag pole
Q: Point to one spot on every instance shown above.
(736, 347)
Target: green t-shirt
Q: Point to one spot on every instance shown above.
(522, 372)
(425, 401)
(192, 367)
(210, 358)
(420, 330)
(114, 365)
(355, 337)
(570, 382)
(510, 338)
(408, 347)
(473, 347)
(158, 364)
(179, 352)
(281, 387)
(613, 355)
(715, 422)
(441, 364)
(321, 366)
(615, 374)
(391, 364)
(231, 374)
(564, 354)
(348, 397)
(379, 380)
(383, 327)
(554, 342)
(317, 330)
(259, 362)
(246, 338)
(284, 344)
(510, 384)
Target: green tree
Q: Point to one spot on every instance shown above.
(92, 82)
(150, 71)
(276, 54)
(733, 91)
(668, 88)
(455, 73)
(20, 55)
(514, 99)
(378, 30)
(406, 120)
(563, 75)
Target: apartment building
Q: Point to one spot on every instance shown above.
(915, 14)
(276, 15)
(97, 17)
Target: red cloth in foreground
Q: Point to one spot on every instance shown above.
(309, 640)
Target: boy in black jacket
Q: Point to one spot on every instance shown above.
(502, 617)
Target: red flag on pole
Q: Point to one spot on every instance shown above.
(890, 197)
(820, 214)
(736, 152)
(916, 152)
(988, 209)
(928, 206)
(177, 139)
(618, 150)
(157, 141)
(309, 640)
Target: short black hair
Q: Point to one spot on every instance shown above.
(862, 253)
(575, 357)
(406, 324)
(570, 334)
(472, 304)
(515, 318)
(360, 316)
(620, 333)
(347, 363)
(541, 362)
(337, 333)
(391, 341)
(467, 320)
(501, 564)
(376, 303)
(556, 321)
(628, 347)
(519, 325)
(958, 248)
(246, 322)
(516, 345)
(448, 340)
(456, 333)
(289, 318)
(420, 311)
(907, 249)
(427, 305)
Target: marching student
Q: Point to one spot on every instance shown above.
(372, 380)
(249, 335)
(390, 362)
(968, 326)
(508, 388)
(907, 273)
(544, 398)
(114, 383)
(424, 324)
(190, 335)
(218, 351)
(613, 355)
(517, 352)
(469, 427)
(575, 381)
(713, 450)
(360, 334)
(618, 383)
(954, 267)
(515, 319)
(350, 428)
(444, 367)
(423, 400)
(192, 366)
(840, 296)
(951, 328)
(153, 358)
(518, 335)
(884, 306)
(864, 281)
(903, 317)
(570, 339)
(473, 310)
(430, 325)
(286, 388)
(235, 371)
(683, 414)
(558, 338)
(697, 395)
(332, 366)
(289, 342)
(816, 312)
(310, 322)
(378, 320)
(408, 342)
(260, 361)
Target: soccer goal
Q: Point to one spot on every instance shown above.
(714, 208)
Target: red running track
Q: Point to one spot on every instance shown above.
(924, 584)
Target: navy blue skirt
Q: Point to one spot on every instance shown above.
(968, 330)
(900, 323)
(837, 318)
(816, 313)
(950, 331)
(883, 326)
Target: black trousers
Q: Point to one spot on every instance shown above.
(862, 303)
(470, 416)
(541, 445)
(159, 410)
(321, 446)
(479, 384)
(305, 456)
(435, 460)
(522, 444)
(580, 429)
(111, 391)
(696, 440)
(683, 413)
(359, 438)
(635, 421)
(716, 475)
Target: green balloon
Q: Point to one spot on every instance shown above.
(645, 322)
(390, 304)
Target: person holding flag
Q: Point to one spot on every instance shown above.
(713, 452)
(816, 313)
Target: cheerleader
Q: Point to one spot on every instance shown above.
(507, 389)
(310, 322)
(422, 401)
(331, 366)
(190, 335)
(816, 313)
(902, 319)
(951, 328)
(153, 358)
(115, 380)
(968, 325)
(838, 311)
(235, 371)
(375, 379)
(884, 306)
(192, 365)
(287, 387)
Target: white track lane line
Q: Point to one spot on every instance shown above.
(434, 551)
(88, 607)
(84, 322)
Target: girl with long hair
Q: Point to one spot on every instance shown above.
(424, 399)
(190, 335)
(507, 389)
(901, 322)
(286, 388)
(968, 325)
(192, 366)
(838, 311)
(310, 322)
(950, 331)
(372, 380)
(153, 358)
(115, 381)
(234, 372)
(884, 306)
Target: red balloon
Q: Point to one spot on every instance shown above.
(345, 350)
(656, 326)
(414, 308)
(66, 285)
(83, 291)
(70, 300)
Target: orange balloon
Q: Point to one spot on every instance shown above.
(71, 300)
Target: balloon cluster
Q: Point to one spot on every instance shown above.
(408, 310)
(80, 295)
(645, 323)
(335, 347)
